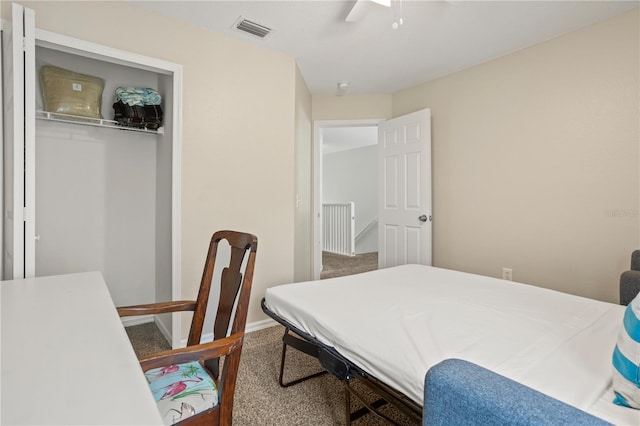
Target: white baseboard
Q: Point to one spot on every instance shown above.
(164, 330)
(144, 319)
(253, 326)
(208, 337)
(259, 325)
(137, 320)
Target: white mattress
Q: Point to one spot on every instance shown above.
(396, 323)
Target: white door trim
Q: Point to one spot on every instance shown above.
(2, 26)
(318, 125)
(29, 144)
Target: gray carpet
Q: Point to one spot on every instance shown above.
(337, 265)
(260, 400)
(147, 339)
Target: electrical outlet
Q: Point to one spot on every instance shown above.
(507, 274)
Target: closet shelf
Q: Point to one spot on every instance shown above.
(88, 121)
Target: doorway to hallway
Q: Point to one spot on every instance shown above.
(345, 172)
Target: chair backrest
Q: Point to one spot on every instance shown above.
(232, 285)
(235, 287)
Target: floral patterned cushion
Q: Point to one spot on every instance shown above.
(182, 391)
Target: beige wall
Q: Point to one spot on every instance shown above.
(238, 138)
(535, 161)
(351, 107)
(535, 154)
(303, 189)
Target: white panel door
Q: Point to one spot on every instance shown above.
(404, 212)
(19, 143)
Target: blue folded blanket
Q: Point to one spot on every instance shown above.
(140, 96)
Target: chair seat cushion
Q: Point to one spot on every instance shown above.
(182, 391)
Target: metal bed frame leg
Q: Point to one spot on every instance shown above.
(302, 346)
(343, 370)
(347, 403)
(372, 407)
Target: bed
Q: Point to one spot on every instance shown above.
(393, 324)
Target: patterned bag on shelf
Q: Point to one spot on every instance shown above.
(72, 93)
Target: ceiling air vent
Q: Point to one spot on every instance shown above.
(252, 28)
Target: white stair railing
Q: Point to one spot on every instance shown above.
(338, 228)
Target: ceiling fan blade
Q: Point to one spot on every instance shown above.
(361, 7)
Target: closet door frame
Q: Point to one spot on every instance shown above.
(18, 129)
(36, 37)
(83, 48)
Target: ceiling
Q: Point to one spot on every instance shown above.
(436, 38)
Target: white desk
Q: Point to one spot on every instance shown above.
(66, 358)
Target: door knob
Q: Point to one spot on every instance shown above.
(422, 218)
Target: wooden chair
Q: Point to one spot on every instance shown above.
(205, 357)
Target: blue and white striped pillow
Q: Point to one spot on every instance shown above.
(626, 358)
